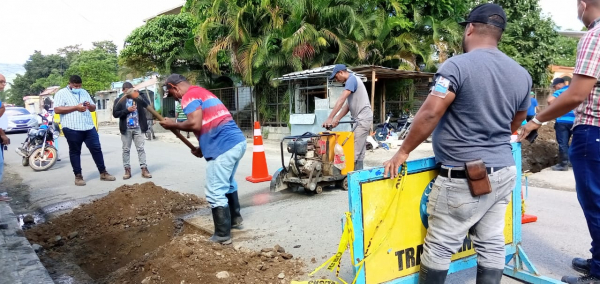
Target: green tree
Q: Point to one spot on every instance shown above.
(96, 67)
(566, 51)
(38, 66)
(70, 52)
(164, 44)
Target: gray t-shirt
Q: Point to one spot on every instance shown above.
(490, 88)
(358, 101)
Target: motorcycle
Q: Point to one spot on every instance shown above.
(405, 128)
(38, 150)
(384, 130)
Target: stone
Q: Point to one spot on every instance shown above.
(186, 251)
(56, 239)
(297, 246)
(37, 248)
(223, 275)
(175, 266)
(237, 247)
(279, 249)
(281, 275)
(270, 254)
(287, 256)
(147, 280)
(266, 250)
(73, 235)
(28, 220)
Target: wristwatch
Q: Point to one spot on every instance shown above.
(536, 121)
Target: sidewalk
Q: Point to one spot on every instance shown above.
(19, 264)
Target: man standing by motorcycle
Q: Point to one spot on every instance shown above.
(74, 105)
(354, 99)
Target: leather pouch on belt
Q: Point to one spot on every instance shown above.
(478, 179)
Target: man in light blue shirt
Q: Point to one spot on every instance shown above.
(563, 127)
(74, 105)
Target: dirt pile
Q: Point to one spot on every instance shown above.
(132, 236)
(543, 153)
(192, 259)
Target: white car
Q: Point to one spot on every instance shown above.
(20, 119)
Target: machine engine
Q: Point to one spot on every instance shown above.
(305, 159)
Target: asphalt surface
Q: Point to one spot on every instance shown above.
(311, 223)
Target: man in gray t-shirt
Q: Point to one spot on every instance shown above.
(359, 107)
(479, 99)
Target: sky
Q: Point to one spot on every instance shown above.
(47, 25)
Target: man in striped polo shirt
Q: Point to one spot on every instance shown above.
(583, 95)
(222, 144)
(74, 105)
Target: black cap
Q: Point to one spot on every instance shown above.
(127, 85)
(558, 81)
(482, 14)
(175, 79)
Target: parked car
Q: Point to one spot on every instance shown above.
(20, 119)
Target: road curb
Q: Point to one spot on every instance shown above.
(19, 264)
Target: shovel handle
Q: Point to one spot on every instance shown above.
(161, 118)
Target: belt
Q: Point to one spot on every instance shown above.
(462, 173)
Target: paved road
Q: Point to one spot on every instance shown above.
(291, 219)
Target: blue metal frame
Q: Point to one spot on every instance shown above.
(523, 269)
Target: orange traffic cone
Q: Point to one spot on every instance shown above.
(260, 173)
(526, 218)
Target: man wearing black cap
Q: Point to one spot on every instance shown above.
(132, 125)
(222, 144)
(357, 98)
(472, 144)
(563, 127)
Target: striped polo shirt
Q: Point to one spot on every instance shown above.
(219, 131)
(76, 120)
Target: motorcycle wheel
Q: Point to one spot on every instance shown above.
(25, 162)
(39, 161)
(380, 134)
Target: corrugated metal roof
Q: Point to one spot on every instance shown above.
(363, 71)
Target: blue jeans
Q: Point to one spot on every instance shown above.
(563, 135)
(75, 139)
(1, 161)
(585, 157)
(220, 175)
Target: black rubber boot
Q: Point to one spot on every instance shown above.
(488, 275)
(222, 220)
(432, 276)
(234, 209)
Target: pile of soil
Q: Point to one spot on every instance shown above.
(133, 233)
(192, 259)
(543, 152)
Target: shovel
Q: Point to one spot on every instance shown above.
(161, 118)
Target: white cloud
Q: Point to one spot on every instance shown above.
(563, 12)
(47, 25)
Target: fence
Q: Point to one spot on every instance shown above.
(240, 103)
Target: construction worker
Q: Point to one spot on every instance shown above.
(222, 144)
(354, 99)
(470, 142)
(583, 95)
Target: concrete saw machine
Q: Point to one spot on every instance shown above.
(314, 163)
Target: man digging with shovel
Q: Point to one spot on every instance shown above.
(222, 144)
